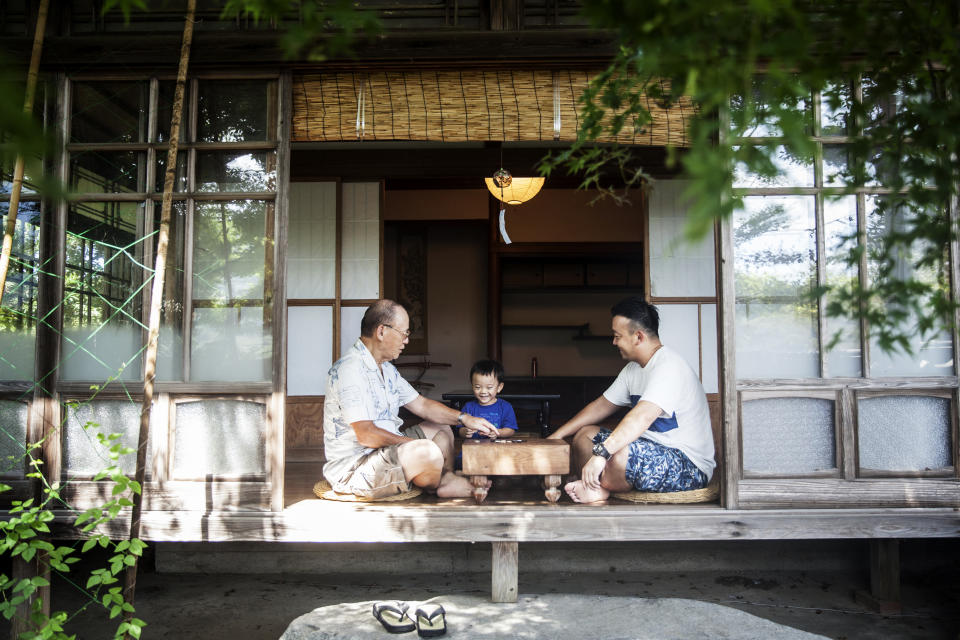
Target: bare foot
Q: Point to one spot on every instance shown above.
(579, 492)
(455, 486)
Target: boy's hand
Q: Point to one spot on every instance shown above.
(480, 425)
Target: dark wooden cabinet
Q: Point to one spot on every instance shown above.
(575, 393)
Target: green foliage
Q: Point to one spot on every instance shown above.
(26, 535)
(752, 69)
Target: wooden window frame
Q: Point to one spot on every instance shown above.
(744, 490)
(266, 492)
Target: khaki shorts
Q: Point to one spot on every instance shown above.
(379, 474)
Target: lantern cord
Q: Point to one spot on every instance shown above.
(503, 224)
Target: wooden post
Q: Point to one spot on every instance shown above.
(504, 571)
(884, 595)
(160, 267)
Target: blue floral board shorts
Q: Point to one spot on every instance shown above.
(657, 468)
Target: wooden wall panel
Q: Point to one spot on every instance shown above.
(799, 493)
(304, 430)
(213, 495)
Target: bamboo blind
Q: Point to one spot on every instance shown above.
(461, 105)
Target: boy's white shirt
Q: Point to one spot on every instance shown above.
(668, 382)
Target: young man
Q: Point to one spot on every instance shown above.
(664, 443)
(367, 454)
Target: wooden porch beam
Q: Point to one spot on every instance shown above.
(557, 47)
(493, 523)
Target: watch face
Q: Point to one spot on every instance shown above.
(600, 450)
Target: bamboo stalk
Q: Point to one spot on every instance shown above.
(18, 169)
(156, 297)
(21, 568)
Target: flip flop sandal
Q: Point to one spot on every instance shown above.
(431, 620)
(392, 614)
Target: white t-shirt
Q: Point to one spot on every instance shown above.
(668, 382)
(357, 390)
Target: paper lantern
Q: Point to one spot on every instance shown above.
(518, 191)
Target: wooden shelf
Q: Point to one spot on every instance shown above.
(569, 327)
(636, 289)
(583, 330)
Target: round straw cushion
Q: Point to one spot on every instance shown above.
(323, 491)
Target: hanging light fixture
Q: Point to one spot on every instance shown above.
(510, 190)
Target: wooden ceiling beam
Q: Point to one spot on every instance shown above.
(566, 48)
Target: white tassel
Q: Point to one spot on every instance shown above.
(503, 225)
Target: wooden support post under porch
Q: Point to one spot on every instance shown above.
(505, 571)
(884, 594)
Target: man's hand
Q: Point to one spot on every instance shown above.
(591, 472)
(480, 425)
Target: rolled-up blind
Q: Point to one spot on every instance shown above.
(462, 105)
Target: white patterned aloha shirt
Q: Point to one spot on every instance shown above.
(356, 391)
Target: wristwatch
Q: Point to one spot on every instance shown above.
(460, 417)
(600, 450)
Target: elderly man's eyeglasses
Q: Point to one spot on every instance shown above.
(405, 334)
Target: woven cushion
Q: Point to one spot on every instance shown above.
(707, 494)
(323, 491)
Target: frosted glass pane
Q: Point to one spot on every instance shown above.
(18, 314)
(933, 355)
(312, 240)
(83, 455)
(230, 345)
(793, 172)
(840, 238)
(94, 353)
(360, 252)
(677, 267)
(219, 437)
(904, 433)
(679, 331)
(708, 337)
(231, 338)
(788, 435)
(102, 299)
(13, 436)
(350, 318)
(309, 350)
(774, 272)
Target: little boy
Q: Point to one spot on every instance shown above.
(486, 378)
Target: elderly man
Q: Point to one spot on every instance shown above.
(367, 453)
(664, 443)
